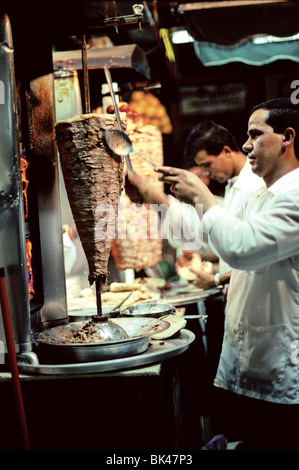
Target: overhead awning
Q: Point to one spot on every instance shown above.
(257, 50)
(229, 25)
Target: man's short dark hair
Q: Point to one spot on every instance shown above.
(208, 136)
(282, 114)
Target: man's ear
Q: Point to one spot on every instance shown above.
(227, 150)
(288, 137)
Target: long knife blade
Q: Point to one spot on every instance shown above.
(116, 110)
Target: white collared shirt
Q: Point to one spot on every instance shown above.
(236, 189)
(259, 355)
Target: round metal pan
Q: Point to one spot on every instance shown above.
(158, 351)
(50, 351)
(73, 353)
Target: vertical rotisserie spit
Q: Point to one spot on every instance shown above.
(93, 180)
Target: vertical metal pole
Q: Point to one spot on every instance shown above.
(98, 296)
(87, 109)
(13, 360)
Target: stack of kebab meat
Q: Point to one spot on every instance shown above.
(93, 178)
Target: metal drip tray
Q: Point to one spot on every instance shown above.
(53, 345)
(156, 351)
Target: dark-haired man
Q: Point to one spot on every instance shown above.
(258, 362)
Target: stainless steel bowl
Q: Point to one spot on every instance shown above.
(148, 310)
(50, 350)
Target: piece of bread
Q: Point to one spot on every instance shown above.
(176, 324)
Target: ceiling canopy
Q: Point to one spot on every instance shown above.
(229, 25)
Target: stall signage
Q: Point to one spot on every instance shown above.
(213, 98)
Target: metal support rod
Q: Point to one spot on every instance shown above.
(87, 108)
(98, 296)
(112, 94)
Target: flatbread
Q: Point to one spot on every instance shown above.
(185, 273)
(113, 298)
(176, 324)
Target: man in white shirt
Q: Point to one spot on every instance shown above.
(259, 361)
(216, 152)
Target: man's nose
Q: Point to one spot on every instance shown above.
(247, 146)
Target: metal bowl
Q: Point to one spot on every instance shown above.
(52, 353)
(148, 310)
(49, 350)
(88, 313)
